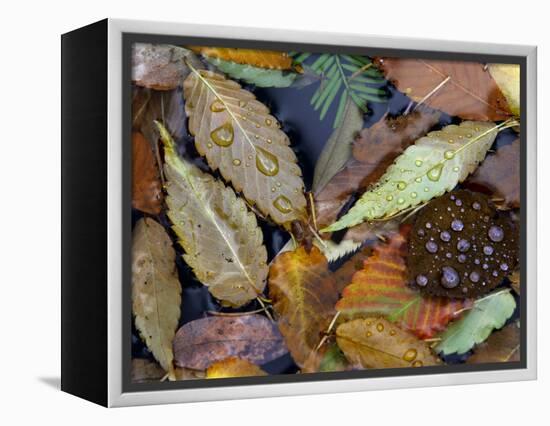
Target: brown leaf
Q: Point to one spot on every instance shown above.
(233, 367)
(146, 185)
(377, 343)
(205, 341)
(343, 275)
(470, 93)
(259, 58)
(144, 370)
(498, 176)
(501, 346)
(515, 278)
(374, 150)
(372, 230)
(303, 295)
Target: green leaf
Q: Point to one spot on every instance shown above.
(261, 77)
(337, 149)
(489, 313)
(333, 360)
(432, 166)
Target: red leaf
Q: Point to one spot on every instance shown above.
(146, 185)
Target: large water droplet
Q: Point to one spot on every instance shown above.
(449, 155)
(421, 280)
(266, 162)
(431, 247)
(463, 245)
(380, 327)
(217, 106)
(488, 250)
(474, 277)
(283, 204)
(495, 234)
(223, 135)
(236, 162)
(445, 236)
(410, 355)
(435, 172)
(449, 277)
(401, 185)
(457, 225)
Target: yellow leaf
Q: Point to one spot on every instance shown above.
(507, 79)
(233, 367)
(258, 58)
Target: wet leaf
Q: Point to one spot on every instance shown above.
(161, 66)
(156, 290)
(376, 230)
(233, 367)
(432, 166)
(380, 288)
(270, 59)
(303, 295)
(221, 238)
(239, 137)
(337, 150)
(344, 274)
(146, 185)
(501, 346)
(377, 343)
(374, 150)
(498, 176)
(507, 78)
(334, 360)
(201, 343)
(464, 89)
(488, 313)
(144, 371)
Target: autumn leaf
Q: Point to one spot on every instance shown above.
(156, 290)
(464, 89)
(501, 346)
(377, 343)
(432, 166)
(515, 281)
(146, 185)
(233, 367)
(507, 78)
(161, 66)
(334, 360)
(203, 342)
(244, 142)
(488, 313)
(221, 238)
(374, 150)
(259, 58)
(144, 370)
(343, 275)
(303, 296)
(499, 177)
(380, 288)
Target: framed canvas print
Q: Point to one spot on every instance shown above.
(253, 212)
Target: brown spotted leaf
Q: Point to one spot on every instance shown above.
(498, 176)
(464, 89)
(501, 346)
(303, 295)
(202, 342)
(146, 185)
(233, 367)
(238, 137)
(377, 343)
(259, 58)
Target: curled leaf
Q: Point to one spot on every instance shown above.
(377, 343)
(201, 343)
(146, 186)
(156, 291)
(432, 166)
(507, 78)
(221, 238)
(233, 367)
(239, 137)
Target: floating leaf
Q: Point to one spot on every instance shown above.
(270, 59)
(464, 89)
(501, 346)
(156, 291)
(380, 288)
(161, 66)
(146, 185)
(507, 78)
(377, 343)
(221, 238)
(233, 367)
(303, 295)
(489, 313)
(144, 371)
(432, 166)
(202, 342)
(374, 150)
(239, 137)
(498, 176)
(337, 150)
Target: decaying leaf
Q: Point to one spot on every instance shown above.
(488, 313)
(380, 288)
(144, 370)
(239, 137)
(432, 166)
(161, 66)
(377, 343)
(146, 186)
(464, 89)
(156, 290)
(202, 342)
(344, 274)
(507, 78)
(303, 295)
(233, 367)
(337, 150)
(374, 150)
(221, 238)
(501, 346)
(498, 176)
(259, 58)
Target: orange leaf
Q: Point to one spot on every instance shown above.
(146, 185)
(233, 367)
(381, 288)
(258, 58)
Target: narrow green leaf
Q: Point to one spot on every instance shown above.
(330, 98)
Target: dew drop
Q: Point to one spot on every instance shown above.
(236, 162)
(421, 232)
(380, 327)
(217, 106)
(223, 135)
(457, 225)
(414, 194)
(463, 245)
(369, 334)
(449, 155)
(445, 236)
(418, 179)
(431, 247)
(418, 163)
(476, 206)
(209, 145)
(268, 121)
(428, 225)
(449, 277)
(242, 104)
(266, 162)
(401, 185)
(504, 266)
(488, 250)
(421, 280)
(461, 258)
(389, 197)
(392, 332)
(417, 363)
(283, 204)
(434, 174)
(474, 277)
(400, 201)
(495, 234)
(410, 355)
